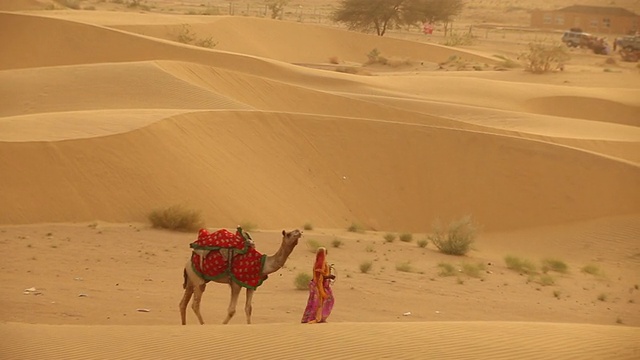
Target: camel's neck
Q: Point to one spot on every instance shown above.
(276, 261)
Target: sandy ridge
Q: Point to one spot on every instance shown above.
(320, 142)
(450, 340)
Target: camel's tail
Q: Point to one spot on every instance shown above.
(184, 273)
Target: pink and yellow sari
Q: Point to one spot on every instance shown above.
(321, 300)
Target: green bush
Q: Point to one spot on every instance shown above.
(389, 237)
(458, 237)
(186, 35)
(554, 265)
(406, 237)
(302, 281)
(520, 265)
(473, 270)
(542, 58)
(357, 228)
(592, 269)
(176, 218)
(365, 266)
(423, 243)
(546, 280)
(307, 226)
(458, 39)
(446, 269)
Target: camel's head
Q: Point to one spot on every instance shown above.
(291, 238)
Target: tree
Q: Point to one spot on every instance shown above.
(381, 15)
(433, 11)
(370, 15)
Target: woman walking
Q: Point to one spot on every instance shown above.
(321, 298)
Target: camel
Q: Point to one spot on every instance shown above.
(194, 284)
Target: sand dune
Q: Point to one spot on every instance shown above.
(524, 199)
(451, 340)
(104, 117)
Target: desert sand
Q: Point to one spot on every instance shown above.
(105, 116)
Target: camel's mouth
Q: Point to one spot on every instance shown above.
(297, 237)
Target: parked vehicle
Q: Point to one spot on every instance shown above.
(629, 54)
(577, 38)
(628, 42)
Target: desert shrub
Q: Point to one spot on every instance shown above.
(334, 60)
(307, 226)
(406, 237)
(389, 237)
(336, 243)
(313, 245)
(176, 218)
(523, 266)
(301, 281)
(365, 266)
(507, 63)
(458, 39)
(205, 42)
(592, 269)
(455, 62)
(404, 266)
(355, 227)
(473, 270)
(446, 269)
(423, 243)
(542, 58)
(373, 56)
(546, 280)
(602, 297)
(457, 238)
(186, 35)
(276, 7)
(369, 248)
(554, 265)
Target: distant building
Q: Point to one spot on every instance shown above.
(594, 19)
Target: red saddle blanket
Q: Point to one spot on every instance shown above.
(223, 253)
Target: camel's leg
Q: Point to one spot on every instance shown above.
(197, 297)
(188, 291)
(248, 309)
(235, 292)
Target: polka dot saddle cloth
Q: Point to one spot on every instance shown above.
(223, 253)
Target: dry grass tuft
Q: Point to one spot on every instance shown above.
(176, 218)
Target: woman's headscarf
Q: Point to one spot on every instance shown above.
(321, 258)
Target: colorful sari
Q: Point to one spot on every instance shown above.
(314, 303)
(321, 300)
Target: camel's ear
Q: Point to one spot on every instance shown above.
(284, 233)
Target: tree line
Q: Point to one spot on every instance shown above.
(381, 15)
